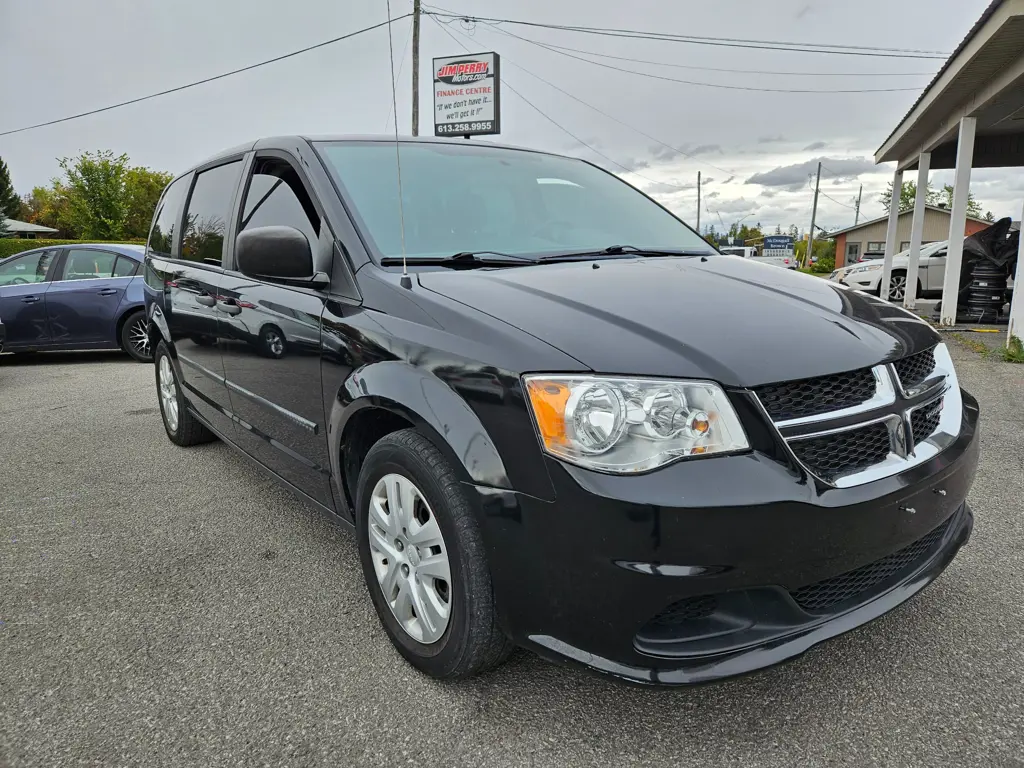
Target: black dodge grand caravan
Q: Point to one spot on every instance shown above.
(569, 424)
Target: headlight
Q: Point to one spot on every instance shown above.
(865, 268)
(623, 425)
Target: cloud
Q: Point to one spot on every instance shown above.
(636, 164)
(739, 205)
(767, 193)
(705, 149)
(803, 11)
(712, 195)
(667, 188)
(793, 177)
(771, 139)
(814, 146)
(729, 180)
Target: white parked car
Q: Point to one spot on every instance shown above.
(931, 271)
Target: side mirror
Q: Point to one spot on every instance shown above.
(278, 254)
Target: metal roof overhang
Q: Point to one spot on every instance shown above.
(984, 78)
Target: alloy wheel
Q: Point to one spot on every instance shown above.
(138, 337)
(168, 393)
(274, 343)
(410, 558)
(897, 287)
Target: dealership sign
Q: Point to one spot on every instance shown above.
(466, 95)
(778, 245)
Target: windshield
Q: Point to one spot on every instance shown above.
(459, 198)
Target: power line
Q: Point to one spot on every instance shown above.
(206, 79)
(776, 45)
(610, 116)
(736, 72)
(836, 201)
(542, 113)
(697, 82)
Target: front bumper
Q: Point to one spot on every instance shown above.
(743, 554)
(861, 281)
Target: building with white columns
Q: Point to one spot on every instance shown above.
(970, 116)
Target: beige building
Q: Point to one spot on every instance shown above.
(868, 238)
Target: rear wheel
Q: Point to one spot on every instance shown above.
(181, 426)
(423, 559)
(135, 337)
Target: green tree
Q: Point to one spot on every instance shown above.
(142, 192)
(908, 195)
(97, 206)
(3, 223)
(9, 200)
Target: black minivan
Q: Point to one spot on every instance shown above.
(553, 414)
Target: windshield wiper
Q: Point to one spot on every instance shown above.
(620, 251)
(464, 259)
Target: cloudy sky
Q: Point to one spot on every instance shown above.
(754, 149)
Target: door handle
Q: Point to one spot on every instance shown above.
(107, 291)
(205, 299)
(29, 299)
(230, 307)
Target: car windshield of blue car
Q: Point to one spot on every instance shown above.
(469, 197)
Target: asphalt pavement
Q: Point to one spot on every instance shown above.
(163, 606)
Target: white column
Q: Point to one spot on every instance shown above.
(890, 233)
(1016, 327)
(958, 219)
(917, 229)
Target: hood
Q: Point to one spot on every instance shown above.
(729, 320)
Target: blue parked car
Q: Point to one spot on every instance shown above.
(75, 297)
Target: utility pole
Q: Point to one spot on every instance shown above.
(698, 202)
(856, 214)
(814, 214)
(415, 68)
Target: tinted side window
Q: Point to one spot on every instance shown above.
(88, 264)
(30, 268)
(276, 197)
(124, 267)
(167, 218)
(207, 213)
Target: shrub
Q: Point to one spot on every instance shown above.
(824, 264)
(12, 245)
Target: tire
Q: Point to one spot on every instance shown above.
(181, 426)
(472, 641)
(897, 285)
(271, 342)
(135, 337)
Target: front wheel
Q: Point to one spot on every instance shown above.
(181, 426)
(423, 560)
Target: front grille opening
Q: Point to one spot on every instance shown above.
(685, 610)
(843, 453)
(810, 397)
(925, 420)
(859, 583)
(915, 369)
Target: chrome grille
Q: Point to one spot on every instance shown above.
(847, 433)
(915, 369)
(925, 420)
(831, 456)
(810, 397)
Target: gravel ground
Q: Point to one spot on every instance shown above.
(164, 607)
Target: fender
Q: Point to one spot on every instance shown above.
(156, 318)
(428, 403)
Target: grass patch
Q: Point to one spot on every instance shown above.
(972, 344)
(1014, 352)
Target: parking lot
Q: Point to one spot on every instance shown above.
(161, 606)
